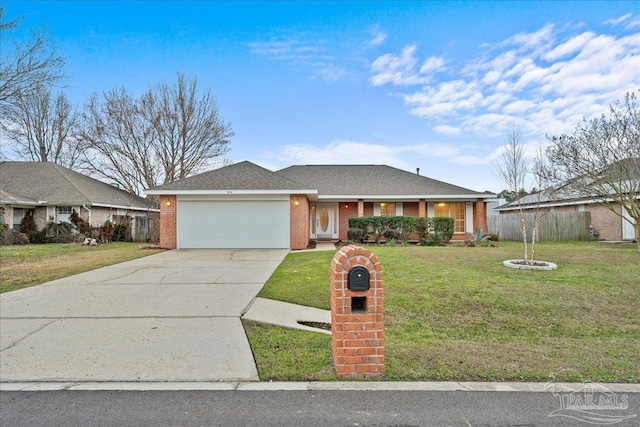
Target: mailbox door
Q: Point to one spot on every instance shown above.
(358, 279)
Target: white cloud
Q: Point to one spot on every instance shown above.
(338, 152)
(402, 70)
(447, 130)
(546, 81)
(616, 21)
(377, 37)
(301, 54)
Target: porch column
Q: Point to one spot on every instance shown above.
(480, 215)
(360, 208)
(422, 208)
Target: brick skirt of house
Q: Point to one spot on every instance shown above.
(357, 316)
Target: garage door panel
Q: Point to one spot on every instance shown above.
(237, 224)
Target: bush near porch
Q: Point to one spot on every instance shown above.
(428, 230)
(455, 313)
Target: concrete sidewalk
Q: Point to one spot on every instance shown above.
(169, 317)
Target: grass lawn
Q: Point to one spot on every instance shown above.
(455, 313)
(28, 265)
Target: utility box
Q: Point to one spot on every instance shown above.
(357, 313)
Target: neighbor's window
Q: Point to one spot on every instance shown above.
(18, 214)
(387, 209)
(64, 210)
(455, 211)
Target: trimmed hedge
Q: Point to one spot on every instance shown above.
(438, 229)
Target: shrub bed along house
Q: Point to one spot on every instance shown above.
(429, 231)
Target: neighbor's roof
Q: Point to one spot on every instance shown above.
(239, 177)
(45, 183)
(372, 181)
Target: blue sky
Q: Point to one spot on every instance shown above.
(434, 85)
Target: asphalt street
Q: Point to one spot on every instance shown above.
(298, 408)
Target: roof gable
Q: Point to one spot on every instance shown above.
(54, 185)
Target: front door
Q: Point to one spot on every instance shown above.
(324, 221)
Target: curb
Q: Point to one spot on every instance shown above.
(318, 386)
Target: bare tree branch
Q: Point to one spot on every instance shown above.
(26, 66)
(41, 127)
(600, 161)
(171, 132)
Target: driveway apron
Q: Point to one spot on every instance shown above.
(173, 316)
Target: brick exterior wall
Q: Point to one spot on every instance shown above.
(345, 213)
(168, 222)
(605, 222)
(299, 222)
(410, 209)
(357, 338)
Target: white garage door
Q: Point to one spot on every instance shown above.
(233, 223)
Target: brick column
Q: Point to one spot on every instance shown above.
(480, 215)
(360, 208)
(422, 208)
(168, 222)
(357, 317)
(298, 221)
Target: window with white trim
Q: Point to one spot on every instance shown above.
(387, 209)
(456, 211)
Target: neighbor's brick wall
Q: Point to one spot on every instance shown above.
(608, 224)
(357, 339)
(40, 217)
(168, 222)
(299, 221)
(8, 215)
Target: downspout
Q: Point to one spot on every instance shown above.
(88, 210)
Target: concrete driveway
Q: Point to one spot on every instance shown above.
(173, 316)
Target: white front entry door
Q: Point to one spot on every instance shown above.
(324, 219)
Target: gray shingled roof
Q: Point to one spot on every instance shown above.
(371, 180)
(59, 186)
(239, 176)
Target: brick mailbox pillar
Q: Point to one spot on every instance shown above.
(357, 313)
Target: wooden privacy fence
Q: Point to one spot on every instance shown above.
(553, 226)
(144, 229)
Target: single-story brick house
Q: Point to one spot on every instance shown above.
(51, 193)
(605, 224)
(246, 206)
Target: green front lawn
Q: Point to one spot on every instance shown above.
(455, 313)
(28, 265)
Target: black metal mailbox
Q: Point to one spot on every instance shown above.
(358, 279)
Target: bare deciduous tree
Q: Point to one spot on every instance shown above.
(169, 133)
(188, 129)
(117, 142)
(600, 161)
(42, 126)
(28, 65)
(513, 168)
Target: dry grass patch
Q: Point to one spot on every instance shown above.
(29, 265)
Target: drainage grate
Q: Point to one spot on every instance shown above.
(317, 325)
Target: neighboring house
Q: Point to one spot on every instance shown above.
(246, 206)
(53, 192)
(604, 223)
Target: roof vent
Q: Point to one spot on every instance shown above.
(417, 171)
